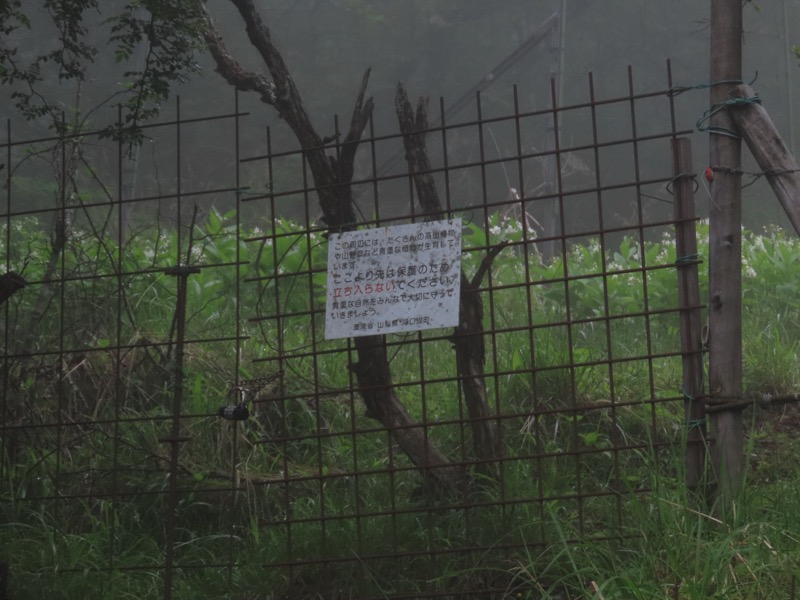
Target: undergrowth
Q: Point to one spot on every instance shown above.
(311, 499)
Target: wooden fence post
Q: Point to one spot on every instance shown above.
(690, 318)
(725, 252)
(768, 148)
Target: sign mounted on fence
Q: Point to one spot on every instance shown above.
(393, 279)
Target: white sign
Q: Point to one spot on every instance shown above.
(391, 279)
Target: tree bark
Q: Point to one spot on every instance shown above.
(375, 382)
(9, 284)
(770, 151)
(725, 254)
(332, 177)
(468, 335)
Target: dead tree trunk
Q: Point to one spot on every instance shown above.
(468, 336)
(332, 178)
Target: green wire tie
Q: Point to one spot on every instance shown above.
(679, 89)
(687, 260)
(692, 423)
(246, 191)
(701, 126)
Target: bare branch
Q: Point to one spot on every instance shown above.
(231, 70)
(287, 98)
(362, 111)
(468, 335)
(414, 128)
(486, 263)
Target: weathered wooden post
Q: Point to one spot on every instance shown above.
(725, 252)
(768, 148)
(690, 318)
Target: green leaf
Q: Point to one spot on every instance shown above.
(516, 360)
(214, 222)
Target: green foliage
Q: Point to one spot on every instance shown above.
(301, 499)
(171, 30)
(671, 550)
(173, 34)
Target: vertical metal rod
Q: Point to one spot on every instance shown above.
(175, 438)
(9, 445)
(115, 501)
(689, 305)
(609, 343)
(9, 440)
(235, 426)
(640, 224)
(280, 341)
(530, 253)
(62, 229)
(568, 310)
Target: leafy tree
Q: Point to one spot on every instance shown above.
(171, 31)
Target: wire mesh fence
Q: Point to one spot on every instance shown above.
(176, 424)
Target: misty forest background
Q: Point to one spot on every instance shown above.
(442, 48)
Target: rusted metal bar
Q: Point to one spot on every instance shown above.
(175, 439)
(766, 401)
(467, 339)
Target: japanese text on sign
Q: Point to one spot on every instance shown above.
(393, 279)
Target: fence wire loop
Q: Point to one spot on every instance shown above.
(678, 177)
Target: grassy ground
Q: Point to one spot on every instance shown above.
(590, 503)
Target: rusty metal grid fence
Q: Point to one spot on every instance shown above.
(175, 424)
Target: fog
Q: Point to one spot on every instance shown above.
(442, 49)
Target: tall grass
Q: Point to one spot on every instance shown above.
(309, 498)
